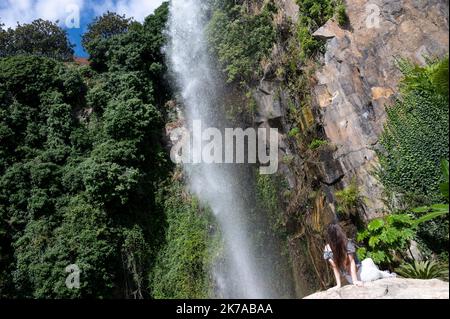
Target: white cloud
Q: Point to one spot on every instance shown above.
(137, 9)
(25, 11)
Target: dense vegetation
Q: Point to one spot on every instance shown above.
(416, 136)
(314, 14)
(41, 38)
(181, 264)
(81, 163)
(239, 38)
(414, 169)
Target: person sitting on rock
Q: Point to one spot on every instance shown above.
(340, 252)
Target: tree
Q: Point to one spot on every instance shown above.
(3, 38)
(83, 236)
(106, 26)
(103, 28)
(40, 37)
(80, 162)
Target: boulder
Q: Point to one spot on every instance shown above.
(389, 288)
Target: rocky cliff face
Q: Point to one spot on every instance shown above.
(356, 80)
(359, 78)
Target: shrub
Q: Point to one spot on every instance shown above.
(313, 14)
(77, 182)
(387, 238)
(240, 40)
(294, 132)
(348, 199)
(308, 43)
(267, 192)
(423, 270)
(434, 232)
(317, 143)
(181, 264)
(342, 17)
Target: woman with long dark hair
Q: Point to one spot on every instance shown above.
(340, 252)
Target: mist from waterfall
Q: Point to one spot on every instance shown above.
(221, 187)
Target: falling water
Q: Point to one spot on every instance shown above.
(221, 187)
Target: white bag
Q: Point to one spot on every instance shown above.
(370, 272)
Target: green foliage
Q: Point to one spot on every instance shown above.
(315, 13)
(105, 26)
(80, 162)
(83, 238)
(317, 143)
(429, 269)
(444, 185)
(267, 193)
(240, 39)
(269, 190)
(137, 256)
(415, 139)
(387, 238)
(342, 17)
(101, 37)
(128, 119)
(439, 76)
(433, 211)
(348, 199)
(38, 38)
(312, 15)
(414, 142)
(308, 44)
(270, 235)
(23, 78)
(434, 232)
(294, 132)
(117, 45)
(431, 78)
(439, 209)
(180, 270)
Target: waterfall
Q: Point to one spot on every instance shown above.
(221, 187)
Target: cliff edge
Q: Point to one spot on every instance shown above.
(390, 288)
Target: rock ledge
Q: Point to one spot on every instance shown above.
(390, 288)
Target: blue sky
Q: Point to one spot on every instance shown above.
(70, 12)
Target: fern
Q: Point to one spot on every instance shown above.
(439, 75)
(432, 77)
